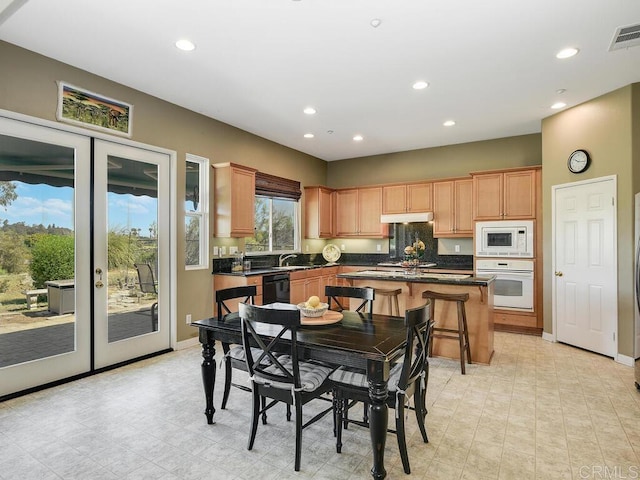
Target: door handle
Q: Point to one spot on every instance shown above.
(558, 274)
(99, 284)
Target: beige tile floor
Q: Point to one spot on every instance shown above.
(540, 411)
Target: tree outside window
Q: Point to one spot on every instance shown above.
(276, 226)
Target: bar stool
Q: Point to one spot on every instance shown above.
(462, 332)
(392, 297)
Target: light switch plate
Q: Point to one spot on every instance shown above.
(223, 250)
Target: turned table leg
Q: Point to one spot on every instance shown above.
(208, 372)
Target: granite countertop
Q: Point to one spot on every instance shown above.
(419, 277)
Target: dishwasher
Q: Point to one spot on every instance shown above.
(275, 288)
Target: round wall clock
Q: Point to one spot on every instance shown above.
(578, 161)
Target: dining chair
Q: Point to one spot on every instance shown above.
(148, 284)
(407, 379)
(335, 293)
(283, 378)
(233, 356)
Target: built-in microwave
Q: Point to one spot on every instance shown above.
(505, 238)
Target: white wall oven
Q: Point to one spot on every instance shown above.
(505, 238)
(514, 285)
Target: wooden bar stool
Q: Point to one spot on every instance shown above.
(392, 297)
(462, 332)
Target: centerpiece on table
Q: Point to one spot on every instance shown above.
(412, 255)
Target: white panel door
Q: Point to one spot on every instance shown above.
(585, 262)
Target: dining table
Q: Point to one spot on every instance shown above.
(371, 342)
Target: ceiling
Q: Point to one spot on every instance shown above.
(490, 64)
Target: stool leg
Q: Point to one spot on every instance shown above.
(461, 336)
(390, 309)
(466, 334)
(395, 298)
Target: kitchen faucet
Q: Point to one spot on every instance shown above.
(284, 256)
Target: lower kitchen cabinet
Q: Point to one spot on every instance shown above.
(220, 282)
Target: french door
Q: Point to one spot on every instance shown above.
(73, 227)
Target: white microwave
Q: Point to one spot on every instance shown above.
(504, 238)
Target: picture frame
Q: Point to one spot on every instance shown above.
(89, 109)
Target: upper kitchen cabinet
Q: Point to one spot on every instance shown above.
(318, 212)
(452, 208)
(235, 188)
(358, 213)
(505, 195)
(407, 198)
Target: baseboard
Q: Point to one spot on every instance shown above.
(625, 360)
(191, 342)
(549, 337)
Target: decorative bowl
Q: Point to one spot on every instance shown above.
(313, 312)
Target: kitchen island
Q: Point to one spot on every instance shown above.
(479, 307)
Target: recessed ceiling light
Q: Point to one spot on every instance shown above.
(308, 135)
(449, 123)
(567, 52)
(185, 45)
(558, 105)
(358, 138)
(375, 23)
(420, 85)
(309, 110)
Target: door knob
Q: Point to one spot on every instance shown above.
(99, 284)
(558, 274)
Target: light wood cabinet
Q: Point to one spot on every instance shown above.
(234, 190)
(452, 208)
(303, 284)
(358, 213)
(505, 195)
(318, 212)
(407, 198)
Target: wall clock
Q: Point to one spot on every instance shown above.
(578, 161)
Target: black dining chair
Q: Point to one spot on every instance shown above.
(336, 294)
(283, 377)
(233, 356)
(407, 379)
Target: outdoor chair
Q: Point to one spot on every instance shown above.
(148, 284)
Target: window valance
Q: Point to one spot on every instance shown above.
(272, 186)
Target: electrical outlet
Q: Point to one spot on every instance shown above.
(188, 318)
(216, 251)
(307, 248)
(233, 250)
(378, 248)
(342, 247)
(457, 248)
(223, 250)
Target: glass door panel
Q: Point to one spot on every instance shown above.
(131, 222)
(44, 289)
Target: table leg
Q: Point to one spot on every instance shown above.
(378, 418)
(208, 372)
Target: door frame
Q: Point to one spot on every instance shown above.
(554, 189)
(173, 201)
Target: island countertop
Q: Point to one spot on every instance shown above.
(418, 277)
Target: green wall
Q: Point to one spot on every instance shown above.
(605, 128)
(28, 86)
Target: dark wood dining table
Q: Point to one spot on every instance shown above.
(371, 342)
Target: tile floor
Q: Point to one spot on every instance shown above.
(540, 411)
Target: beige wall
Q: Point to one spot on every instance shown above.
(439, 162)
(603, 127)
(28, 86)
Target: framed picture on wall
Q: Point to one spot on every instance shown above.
(88, 109)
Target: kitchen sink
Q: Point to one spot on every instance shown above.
(291, 267)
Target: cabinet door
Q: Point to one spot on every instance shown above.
(419, 197)
(297, 291)
(243, 188)
(312, 287)
(394, 199)
(369, 211)
(347, 212)
(520, 194)
(318, 212)
(463, 207)
(488, 196)
(443, 208)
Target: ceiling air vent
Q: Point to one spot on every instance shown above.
(625, 37)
